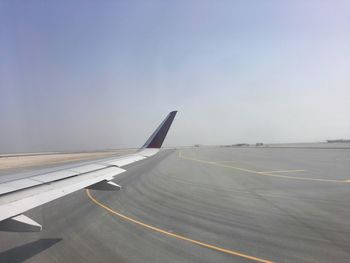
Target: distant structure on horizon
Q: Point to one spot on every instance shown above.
(235, 145)
(338, 140)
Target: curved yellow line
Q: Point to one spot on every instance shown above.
(262, 173)
(227, 251)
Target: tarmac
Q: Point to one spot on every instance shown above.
(205, 204)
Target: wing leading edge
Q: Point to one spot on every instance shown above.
(18, 196)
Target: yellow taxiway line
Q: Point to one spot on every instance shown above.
(270, 173)
(180, 237)
(283, 171)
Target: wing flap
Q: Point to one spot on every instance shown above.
(16, 185)
(16, 203)
(105, 186)
(54, 176)
(20, 223)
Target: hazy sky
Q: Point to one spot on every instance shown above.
(82, 75)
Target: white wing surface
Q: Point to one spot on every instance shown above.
(20, 195)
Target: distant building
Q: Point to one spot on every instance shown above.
(259, 144)
(338, 140)
(241, 144)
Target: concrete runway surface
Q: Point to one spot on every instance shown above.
(205, 204)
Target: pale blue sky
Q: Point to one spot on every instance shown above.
(83, 75)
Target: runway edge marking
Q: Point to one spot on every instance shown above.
(262, 173)
(159, 230)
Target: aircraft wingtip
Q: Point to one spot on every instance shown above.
(157, 138)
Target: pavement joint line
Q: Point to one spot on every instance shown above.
(171, 234)
(263, 173)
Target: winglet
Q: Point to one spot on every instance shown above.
(158, 136)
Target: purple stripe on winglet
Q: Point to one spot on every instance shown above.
(158, 136)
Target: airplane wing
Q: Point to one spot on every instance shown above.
(18, 196)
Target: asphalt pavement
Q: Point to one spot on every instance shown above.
(205, 204)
